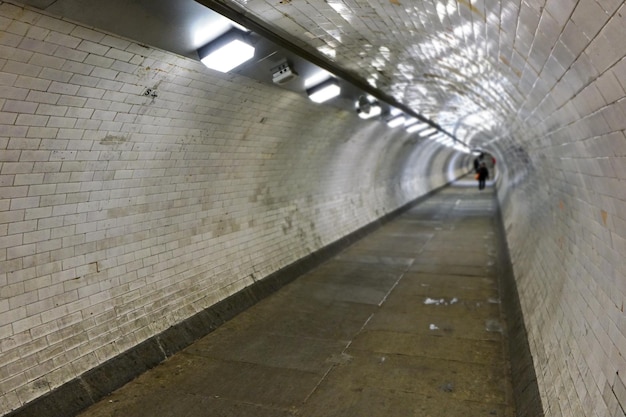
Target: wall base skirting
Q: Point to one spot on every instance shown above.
(525, 389)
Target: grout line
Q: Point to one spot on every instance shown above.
(330, 368)
(391, 289)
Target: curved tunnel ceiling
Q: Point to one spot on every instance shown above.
(480, 69)
(458, 63)
(465, 65)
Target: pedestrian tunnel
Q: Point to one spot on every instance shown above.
(147, 200)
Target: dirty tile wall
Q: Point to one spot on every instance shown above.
(123, 214)
(564, 202)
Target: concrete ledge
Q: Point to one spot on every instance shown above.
(525, 390)
(76, 395)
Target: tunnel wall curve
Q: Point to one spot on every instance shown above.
(124, 214)
(562, 201)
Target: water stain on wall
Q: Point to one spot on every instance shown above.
(113, 140)
(263, 195)
(288, 225)
(508, 64)
(467, 4)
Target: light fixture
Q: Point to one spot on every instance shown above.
(414, 127)
(283, 73)
(428, 132)
(375, 110)
(367, 107)
(226, 52)
(410, 121)
(396, 121)
(324, 91)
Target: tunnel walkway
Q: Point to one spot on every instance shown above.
(405, 322)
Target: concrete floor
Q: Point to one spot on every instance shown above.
(405, 322)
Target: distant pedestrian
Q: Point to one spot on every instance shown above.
(482, 175)
(478, 161)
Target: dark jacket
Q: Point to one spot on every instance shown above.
(483, 173)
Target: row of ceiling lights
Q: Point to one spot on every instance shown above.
(232, 49)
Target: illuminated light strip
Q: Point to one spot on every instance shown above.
(428, 132)
(396, 121)
(375, 110)
(415, 127)
(324, 91)
(226, 52)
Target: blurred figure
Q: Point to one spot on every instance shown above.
(482, 174)
(477, 161)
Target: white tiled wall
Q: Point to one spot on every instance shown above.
(565, 209)
(113, 203)
(122, 214)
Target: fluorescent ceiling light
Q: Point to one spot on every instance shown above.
(375, 110)
(428, 132)
(367, 107)
(396, 121)
(414, 128)
(226, 52)
(324, 91)
(410, 121)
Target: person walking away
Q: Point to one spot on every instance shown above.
(483, 174)
(477, 161)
